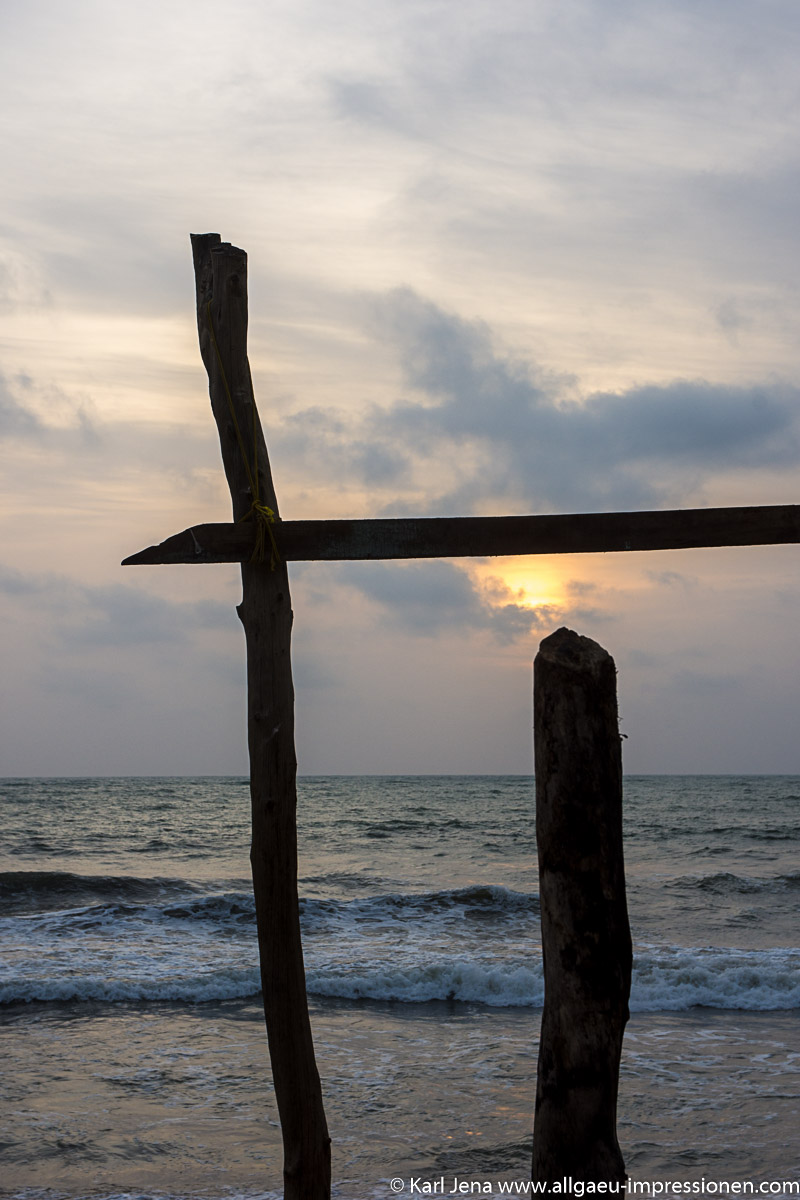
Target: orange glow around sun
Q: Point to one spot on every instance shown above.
(528, 581)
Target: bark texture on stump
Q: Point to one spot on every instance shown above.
(585, 933)
(266, 614)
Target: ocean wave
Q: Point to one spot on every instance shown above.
(665, 978)
(46, 891)
(725, 883)
(81, 899)
(500, 985)
(673, 978)
(200, 988)
(488, 899)
(497, 985)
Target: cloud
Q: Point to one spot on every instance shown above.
(21, 282)
(671, 579)
(115, 615)
(541, 447)
(369, 103)
(431, 598)
(68, 420)
(125, 617)
(694, 423)
(58, 435)
(16, 419)
(316, 440)
(480, 430)
(102, 262)
(731, 320)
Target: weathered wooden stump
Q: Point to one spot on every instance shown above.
(266, 614)
(585, 933)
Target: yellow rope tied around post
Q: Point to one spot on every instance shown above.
(262, 514)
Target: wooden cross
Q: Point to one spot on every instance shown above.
(264, 544)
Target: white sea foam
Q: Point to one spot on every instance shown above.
(671, 978)
(507, 985)
(191, 989)
(665, 978)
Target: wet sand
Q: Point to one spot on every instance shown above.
(177, 1101)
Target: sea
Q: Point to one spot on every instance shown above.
(134, 1057)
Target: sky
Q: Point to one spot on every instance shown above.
(522, 257)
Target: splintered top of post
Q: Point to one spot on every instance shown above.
(570, 649)
(221, 292)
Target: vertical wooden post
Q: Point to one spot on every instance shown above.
(266, 614)
(585, 933)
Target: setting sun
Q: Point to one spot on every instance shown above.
(529, 582)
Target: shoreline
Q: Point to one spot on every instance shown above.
(177, 1101)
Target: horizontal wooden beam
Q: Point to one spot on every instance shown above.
(462, 537)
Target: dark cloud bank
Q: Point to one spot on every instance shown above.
(508, 436)
(524, 436)
(431, 598)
